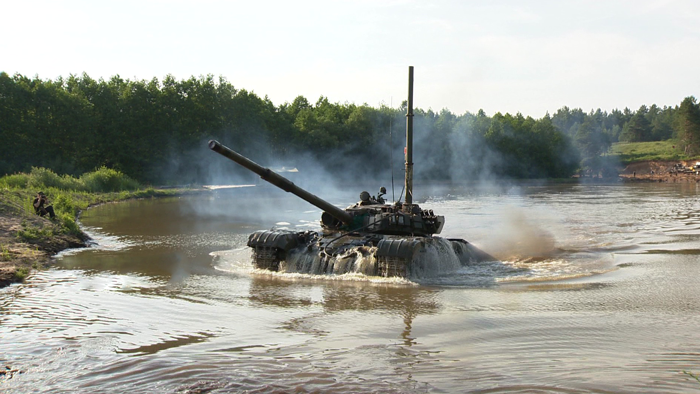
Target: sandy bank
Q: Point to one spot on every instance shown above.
(660, 171)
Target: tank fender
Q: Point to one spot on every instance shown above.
(284, 240)
(403, 248)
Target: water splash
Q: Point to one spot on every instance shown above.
(433, 258)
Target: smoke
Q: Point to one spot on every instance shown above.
(248, 199)
(518, 236)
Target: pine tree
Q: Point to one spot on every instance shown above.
(689, 126)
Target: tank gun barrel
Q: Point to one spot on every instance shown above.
(281, 182)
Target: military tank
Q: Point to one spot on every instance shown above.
(370, 237)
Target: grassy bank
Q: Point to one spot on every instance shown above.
(27, 241)
(630, 152)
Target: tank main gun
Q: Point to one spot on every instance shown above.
(282, 182)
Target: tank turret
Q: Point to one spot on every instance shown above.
(369, 214)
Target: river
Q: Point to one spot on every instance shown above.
(596, 291)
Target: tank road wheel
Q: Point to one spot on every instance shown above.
(267, 258)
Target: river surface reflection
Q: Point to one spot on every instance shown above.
(596, 291)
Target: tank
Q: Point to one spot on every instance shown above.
(371, 237)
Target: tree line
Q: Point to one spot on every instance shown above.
(156, 131)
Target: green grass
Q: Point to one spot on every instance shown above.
(4, 253)
(629, 152)
(21, 273)
(30, 233)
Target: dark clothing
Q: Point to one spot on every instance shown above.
(42, 210)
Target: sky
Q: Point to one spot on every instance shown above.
(532, 57)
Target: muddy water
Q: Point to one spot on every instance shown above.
(596, 291)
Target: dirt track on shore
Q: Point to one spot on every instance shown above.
(659, 171)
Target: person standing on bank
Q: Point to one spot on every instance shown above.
(42, 207)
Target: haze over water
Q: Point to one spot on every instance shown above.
(596, 291)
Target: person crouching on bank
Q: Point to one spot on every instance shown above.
(42, 207)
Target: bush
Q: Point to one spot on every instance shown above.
(14, 181)
(5, 253)
(64, 203)
(42, 178)
(102, 180)
(107, 180)
(21, 273)
(68, 222)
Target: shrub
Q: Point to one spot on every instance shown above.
(102, 180)
(64, 203)
(42, 178)
(68, 222)
(5, 253)
(21, 273)
(14, 181)
(107, 180)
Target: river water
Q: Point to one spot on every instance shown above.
(596, 291)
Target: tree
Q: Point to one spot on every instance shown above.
(638, 129)
(689, 126)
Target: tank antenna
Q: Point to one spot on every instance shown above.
(391, 147)
(409, 143)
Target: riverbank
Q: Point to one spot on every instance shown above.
(28, 242)
(19, 256)
(671, 171)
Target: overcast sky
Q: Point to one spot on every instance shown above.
(531, 57)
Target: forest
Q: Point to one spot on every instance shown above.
(156, 132)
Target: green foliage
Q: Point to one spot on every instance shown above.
(68, 223)
(42, 178)
(4, 253)
(155, 131)
(64, 203)
(42, 233)
(688, 124)
(591, 140)
(638, 129)
(21, 274)
(107, 180)
(596, 130)
(33, 234)
(143, 193)
(102, 180)
(14, 181)
(654, 150)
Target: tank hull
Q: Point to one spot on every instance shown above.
(362, 253)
